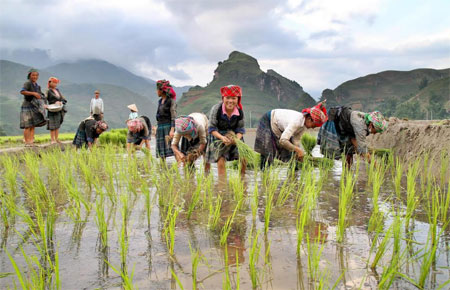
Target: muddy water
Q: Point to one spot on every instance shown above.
(83, 266)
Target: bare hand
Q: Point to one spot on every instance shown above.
(226, 141)
(299, 154)
(37, 95)
(180, 156)
(171, 133)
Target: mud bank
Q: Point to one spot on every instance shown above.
(410, 140)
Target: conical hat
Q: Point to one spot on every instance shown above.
(132, 107)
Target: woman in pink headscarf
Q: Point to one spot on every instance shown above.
(279, 133)
(139, 132)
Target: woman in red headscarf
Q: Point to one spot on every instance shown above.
(165, 117)
(279, 133)
(55, 117)
(226, 123)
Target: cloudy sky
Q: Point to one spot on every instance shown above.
(319, 44)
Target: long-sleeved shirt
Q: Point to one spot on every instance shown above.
(361, 130)
(219, 120)
(286, 125)
(201, 123)
(96, 106)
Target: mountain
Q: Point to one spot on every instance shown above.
(261, 91)
(115, 98)
(396, 93)
(99, 71)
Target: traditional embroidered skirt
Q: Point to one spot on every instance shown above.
(31, 116)
(162, 148)
(187, 145)
(55, 119)
(267, 144)
(80, 138)
(216, 149)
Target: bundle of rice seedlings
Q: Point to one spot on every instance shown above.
(382, 152)
(193, 155)
(308, 142)
(321, 162)
(245, 152)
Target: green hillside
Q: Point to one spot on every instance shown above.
(261, 91)
(115, 98)
(382, 89)
(99, 71)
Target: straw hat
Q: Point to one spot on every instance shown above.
(132, 107)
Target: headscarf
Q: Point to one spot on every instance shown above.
(167, 88)
(135, 125)
(186, 125)
(318, 114)
(52, 79)
(232, 91)
(101, 125)
(377, 119)
(32, 70)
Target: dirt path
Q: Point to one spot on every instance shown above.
(412, 139)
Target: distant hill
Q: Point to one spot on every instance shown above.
(261, 91)
(116, 98)
(99, 71)
(396, 93)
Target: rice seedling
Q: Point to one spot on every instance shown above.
(308, 142)
(315, 249)
(411, 199)
(397, 177)
(195, 199)
(345, 201)
(176, 279)
(11, 170)
(377, 180)
(445, 164)
(127, 279)
(253, 259)
(169, 232)
(226, 284)
(255, 201)
(238, 272)
(100, 220)
(195, 259)
(225, 231)
(214, 213)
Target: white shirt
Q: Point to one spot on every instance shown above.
(287, 124)
(96, 106)
(201, 122)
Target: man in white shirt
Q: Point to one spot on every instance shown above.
(97, 106)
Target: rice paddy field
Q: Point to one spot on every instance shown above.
(106, 219)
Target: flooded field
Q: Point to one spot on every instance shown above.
(109, 220)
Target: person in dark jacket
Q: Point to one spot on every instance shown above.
(226, 122)
(32, 112)
(165, 117)
(346, 131)
(55, 119)
(88, 131)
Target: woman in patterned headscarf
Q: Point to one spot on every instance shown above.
(346, 132)
(55, 119)
(165, 117)
(88, 131)
(32, 112)
(139, 133)
(192, 131)
(279, 133)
